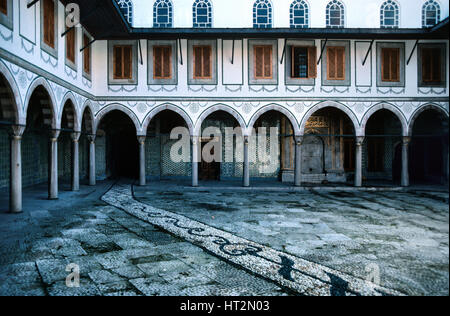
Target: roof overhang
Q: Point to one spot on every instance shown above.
(103, 20)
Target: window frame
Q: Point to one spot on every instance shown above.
(396, 17)
(251, 66)
(7, 19)
(263, 77)
(421, 82)
(71, 63)
(192, 80)
(151, 80)
(269, 16)
(209, 14)
(347, 65)
(424, 13)
(289, 80)
(134, 62)
(341, 12)
(402, 64)
(292, 15)
(128, 15)
(162, 77)
(87, 75)
(383, 64)
(53, 51)
(202, 47)
(167, 24)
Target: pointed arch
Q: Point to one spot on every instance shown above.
(42, 82)
(119, 107)
(422, 109)
(216, 108)
(331, 104)
(151, 115)
(278, 108)
(385, 106)
(16, 105)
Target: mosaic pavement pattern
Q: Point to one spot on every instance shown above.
(291, 272)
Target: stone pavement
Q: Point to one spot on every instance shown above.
(328, 240)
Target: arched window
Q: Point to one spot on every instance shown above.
(202, 13)
(299, 14)
(162, 13)
(262, 14)
(431, 13)
(126, 7)
(335, 14)
(389, 13)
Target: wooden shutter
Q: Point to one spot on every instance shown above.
(4, 7)
(259, 61)
(49, 23)
(70, 45)
(157, 62)
(431, 65)
(127, 62)
(312, 62)
(117, 62)
(167, 62)
(86, 55)
(336, 63)
(207, 62)
(198, 62)
(263, 62)
(390, 64)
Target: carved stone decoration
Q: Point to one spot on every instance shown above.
(317, 122)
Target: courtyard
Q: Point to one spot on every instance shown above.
(218, 239)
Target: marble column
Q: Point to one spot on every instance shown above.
(298, 161)
(15, 202)
(195, 160)
(92, 175)
(142, 180)
(75, 161)
(246, 180)
(358, 171)
(405, 161)
(53, 170)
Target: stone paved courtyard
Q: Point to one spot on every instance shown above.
(404, 235)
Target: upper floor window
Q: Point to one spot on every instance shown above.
(262, 14)
(6, 14)
(303, 64)
(162, 62)
(389, 14)
(126, 6)
(431, 13)
(202, 62)
(299, 14)
(70, 46)
(86, 55)
(122, 62)
(335, 14)
(263, 61)
(202, 13)
(431, 64)
(162, 13)
(48, 31)
(336, 63)
(390, 64)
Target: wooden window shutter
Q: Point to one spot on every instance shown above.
(268, 62)
(258, 61)
(207, 62)
(198, 62)
(436, 65)
(431, 65)
(157, 62)
(4, 7)
(70, 45)
(331, 63)
(117, 62)
(86, 55)
(395, 64)
(385, 65)
(127, 62)
(312, 62)
(390, 64)
(49, 23)
(167, 62)
(340, 63)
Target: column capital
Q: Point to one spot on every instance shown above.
(406, 140)
(195, 140)
(141, 139)
(91, 138)
(246, 140)
(54, 135)
(17, 131)
(298, 140)
(359, 140)
(75, 136)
